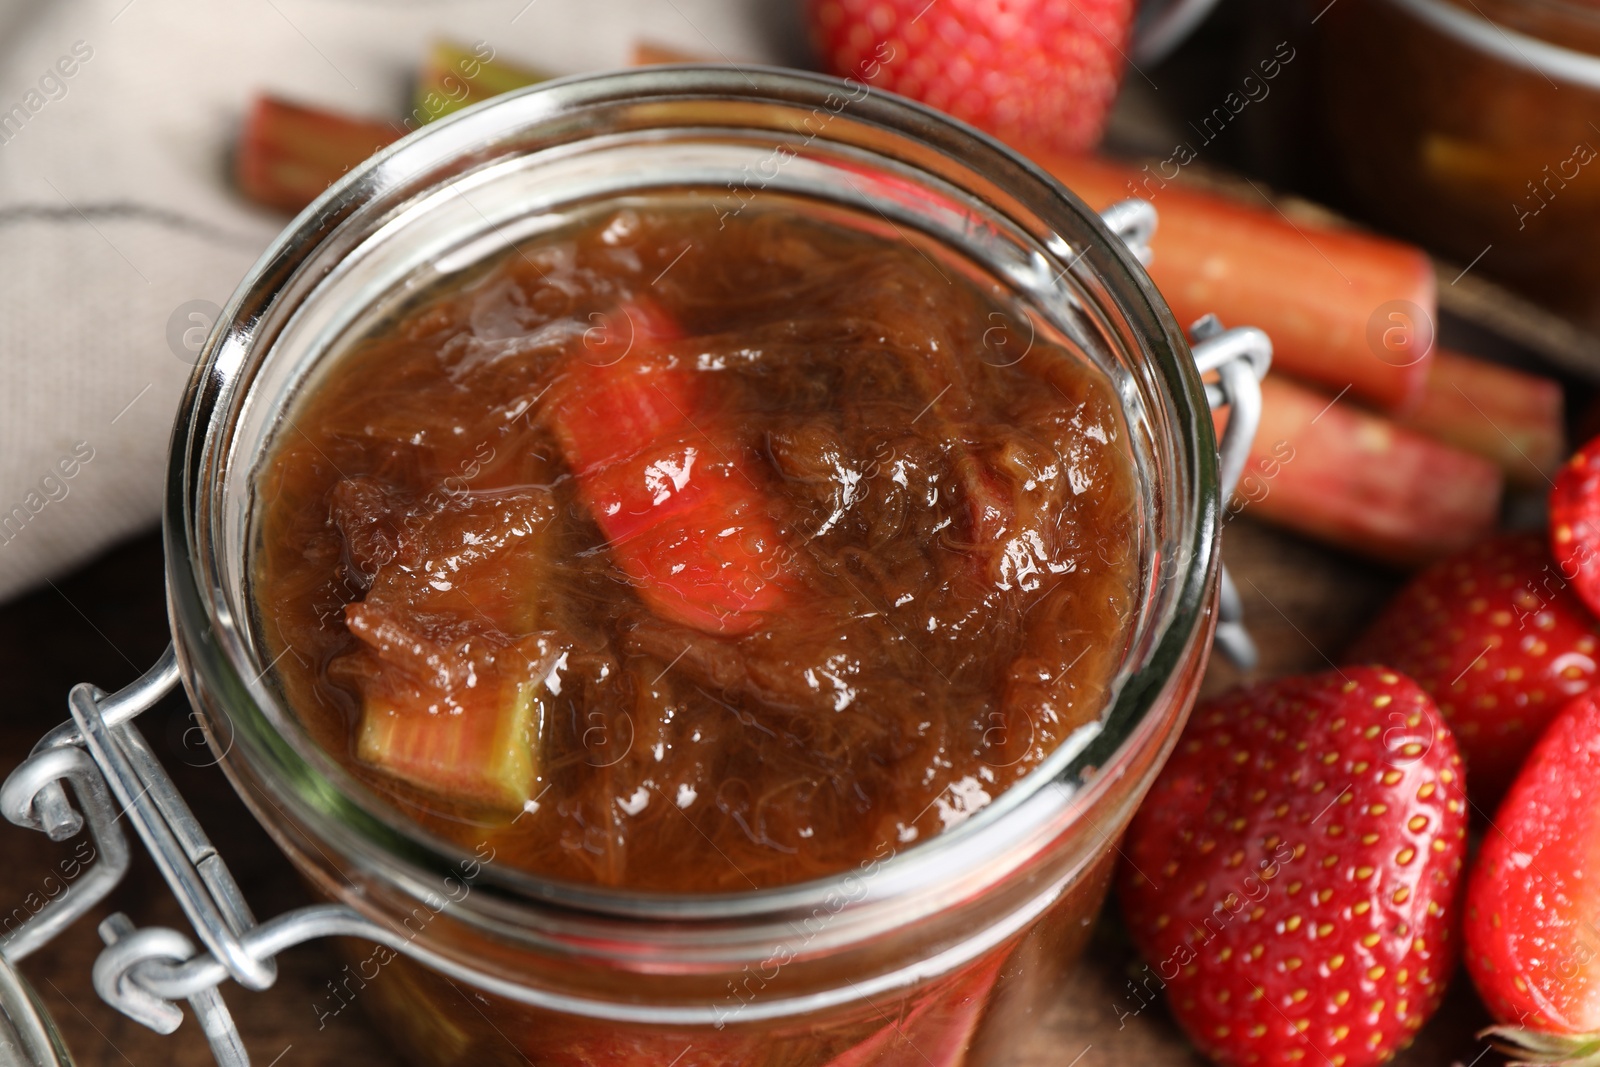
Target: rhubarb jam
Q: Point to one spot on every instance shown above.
(680, 551)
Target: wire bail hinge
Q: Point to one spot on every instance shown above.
(1239, 358)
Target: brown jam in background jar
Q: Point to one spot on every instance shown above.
(1450, 131)
(682, 554)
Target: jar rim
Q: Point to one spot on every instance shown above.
(218, 661)
(1513, 45)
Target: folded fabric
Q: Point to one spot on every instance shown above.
(120, 232)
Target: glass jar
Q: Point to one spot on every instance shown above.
(1471, 127)
(940, 953)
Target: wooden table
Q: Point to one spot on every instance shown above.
(107, 623)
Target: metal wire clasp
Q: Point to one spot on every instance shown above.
(143, 973)
(112, 772)
(1239, 359)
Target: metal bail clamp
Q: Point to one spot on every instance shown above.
(142, 973)
(1239, 358)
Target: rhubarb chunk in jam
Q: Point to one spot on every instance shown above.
(683, 553)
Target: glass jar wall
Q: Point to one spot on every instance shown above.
(939, 951)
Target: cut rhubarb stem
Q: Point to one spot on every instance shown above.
(455, 77)
(1509, 416)
(476, 748)
(1327, 469)
(650, 54)
(452, 665)
(678, 504)
(288, 154)
(1325, 296)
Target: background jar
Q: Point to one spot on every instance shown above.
(1474, 128)
(960, 936)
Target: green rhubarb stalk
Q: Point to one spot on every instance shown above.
(481, 755)
(455, 77)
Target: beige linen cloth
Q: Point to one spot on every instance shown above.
(116, 121)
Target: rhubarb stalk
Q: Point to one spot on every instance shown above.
(288, 154)
(1328, 469)
(1327, 297)
(1509, 416)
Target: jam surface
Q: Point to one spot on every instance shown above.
(678, 557)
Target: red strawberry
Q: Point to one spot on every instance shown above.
(1498, 640)
(1533, 901)
(1040, 74)
(1575, 522)
(1291, 874)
